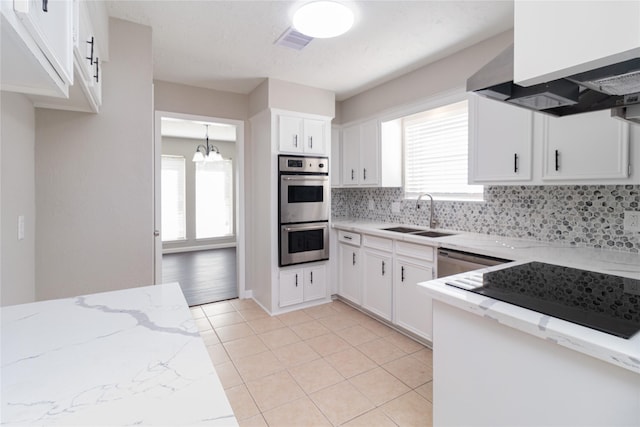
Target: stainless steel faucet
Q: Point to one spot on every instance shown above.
(432, 220)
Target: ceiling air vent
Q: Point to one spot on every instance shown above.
(293, 39)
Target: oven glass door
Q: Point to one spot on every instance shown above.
(304, 198)
(304, 243)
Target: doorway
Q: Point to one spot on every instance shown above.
(199, 209)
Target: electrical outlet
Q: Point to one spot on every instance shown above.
(372, 205)
(632, 221)
(395, 207)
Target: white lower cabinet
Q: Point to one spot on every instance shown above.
(350, 282)
(302, 284)
(386, 281)
(377, 285)
(412, 306)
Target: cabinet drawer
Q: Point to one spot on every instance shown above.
(349, 238)
(413, 250)
(378, 243)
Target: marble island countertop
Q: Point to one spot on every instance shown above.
(624, 264)
(116, 358)
(624, 353)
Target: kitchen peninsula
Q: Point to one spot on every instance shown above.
(116, 358)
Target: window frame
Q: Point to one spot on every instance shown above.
(436, 102)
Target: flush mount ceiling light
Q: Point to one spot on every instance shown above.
(323, 19)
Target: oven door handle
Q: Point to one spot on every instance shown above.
(305, 228)
(305, 178)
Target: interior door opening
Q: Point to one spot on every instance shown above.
(199, 218)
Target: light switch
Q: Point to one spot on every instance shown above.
(631, 221)
(372, 205)
(20, 227)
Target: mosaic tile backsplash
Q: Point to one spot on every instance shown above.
(582, 215)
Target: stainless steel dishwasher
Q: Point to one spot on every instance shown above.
(454, 262)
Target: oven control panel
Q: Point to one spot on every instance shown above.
(303, 164)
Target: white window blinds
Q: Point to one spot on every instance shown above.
(173, 198)
(436, 153)
(214, 199)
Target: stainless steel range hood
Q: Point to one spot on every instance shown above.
(615, 87)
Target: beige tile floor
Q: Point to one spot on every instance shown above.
(322, 366)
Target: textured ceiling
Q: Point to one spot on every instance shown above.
(229, 45)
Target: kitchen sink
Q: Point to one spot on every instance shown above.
(432, 234)
(403, 229)
(418, 231)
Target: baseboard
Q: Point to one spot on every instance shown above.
(199, 248)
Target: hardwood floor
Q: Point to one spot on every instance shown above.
(204, 276)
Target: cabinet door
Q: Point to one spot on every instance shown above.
(335, 166)
(351, 155)
(291, 287)
(412, 306)
(52, 30)
(290, 131)
(350, 279)
(585, 146)
(377, 284)
(315, 136)
(315, 283)
(370, 153)
(500, 141)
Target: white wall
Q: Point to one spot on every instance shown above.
(17, 144)
(186, 147)
(94, 175)
(441, 76)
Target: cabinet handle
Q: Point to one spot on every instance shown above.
(311, 277)
(310, 142)
(364, 174)
(354, 258)
(352, 178)
(557, 160)
(515, 163)
(295, 140)
(383, 268)
(402, 273)
(45, 5)
(97, 75)
(347, 237)
(90, 58)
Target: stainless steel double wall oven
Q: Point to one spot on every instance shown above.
(304, 209)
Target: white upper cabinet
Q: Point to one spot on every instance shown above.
(302, 135)
(500, 141)
(336, 158)
(37, 46)
(554, 39)
(585, 147)
(372, 154)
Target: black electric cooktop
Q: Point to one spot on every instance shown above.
(599, 301)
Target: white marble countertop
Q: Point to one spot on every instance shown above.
(618, 351)
(604, 261)
(609, 348)
(116, 358)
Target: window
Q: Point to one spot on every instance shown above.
(436, 150)
(214, 199)
(173, 200)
